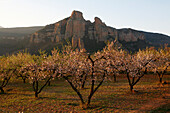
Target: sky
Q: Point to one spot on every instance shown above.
(145, 15)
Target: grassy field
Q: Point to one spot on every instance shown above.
(110, 97)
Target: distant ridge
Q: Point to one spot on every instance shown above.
(1, 27)
(16, 39)
(21, 30)
(81, 33)
(93, 35)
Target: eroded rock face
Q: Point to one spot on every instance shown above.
(130, 35)
(75, 29)
(78, 29)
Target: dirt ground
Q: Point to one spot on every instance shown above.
(110, 97)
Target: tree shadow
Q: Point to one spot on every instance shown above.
(73, 104)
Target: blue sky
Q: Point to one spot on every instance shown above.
(146, 15)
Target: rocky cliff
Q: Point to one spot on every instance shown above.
(90, 35)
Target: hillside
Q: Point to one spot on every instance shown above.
(157, 39)
(18, 31)
(93, 35)
(15, 39)
(80, 32)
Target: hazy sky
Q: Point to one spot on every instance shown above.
(146, 15)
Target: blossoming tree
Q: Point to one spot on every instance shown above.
(6, 71)
(74, 64)
(42, 69)
(162, 63)
(135, 65)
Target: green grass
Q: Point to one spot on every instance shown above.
(59, 97)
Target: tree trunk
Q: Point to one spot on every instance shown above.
(131, 88)
(82, 86)
(160, 75)
(91, 92)
(89, 100)
(35, 87)
(49, 83)
(130, 84)
(75, 89)
(160, 79)
(94, 90)
(24, 80)
(36, 94)
(114, 75)
(84, 81)
(2, 91)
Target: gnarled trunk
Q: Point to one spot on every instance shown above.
(160, 79)
(35, 87)
(114, 75)
(93, 90)
(36, 94)
(49, 83)
(2, 90)
(131, 88)
(76, 90)
(24, 80)
(4, 83)
(84, 81)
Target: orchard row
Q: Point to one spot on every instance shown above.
(78, 67)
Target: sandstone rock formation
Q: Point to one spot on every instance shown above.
(77, 29)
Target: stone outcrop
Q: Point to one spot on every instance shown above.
(130, 35)
(77, 29)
